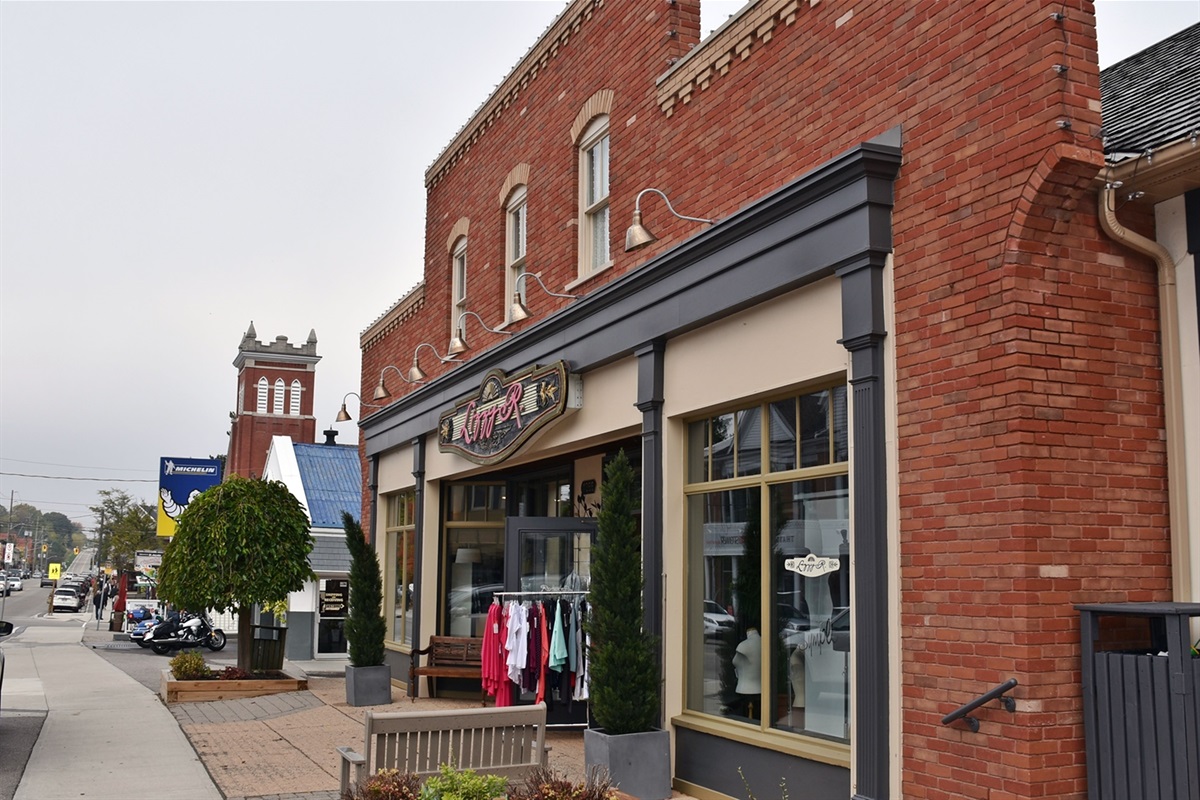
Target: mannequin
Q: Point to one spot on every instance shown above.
(747, 663)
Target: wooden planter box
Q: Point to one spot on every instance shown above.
(173, 691)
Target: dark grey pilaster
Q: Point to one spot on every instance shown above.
(863, 335)
(650, 403)
(418, 471)
(373, 493)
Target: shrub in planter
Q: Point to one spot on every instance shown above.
(546, 784)
(387, 784)
(466, 784)
(368, 679)
(624, 670)
(190, 667)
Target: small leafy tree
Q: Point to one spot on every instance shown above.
(624, 691)
(365, 626)
(240, 543)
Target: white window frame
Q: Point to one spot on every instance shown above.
(294, 398)
(277, 405)
(594, 188)
(458, 283)
(516, 224)
(261, 399)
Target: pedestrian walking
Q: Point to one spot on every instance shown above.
(98, 602)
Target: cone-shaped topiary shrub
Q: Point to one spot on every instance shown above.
(624, 688)
(365, 626)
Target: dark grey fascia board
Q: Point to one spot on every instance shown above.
(836, 217)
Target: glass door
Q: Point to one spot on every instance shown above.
(331, 616)
(547, 559)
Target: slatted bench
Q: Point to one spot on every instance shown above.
(508, 741)
(447, 657)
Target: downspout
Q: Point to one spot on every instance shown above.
(1168, 303)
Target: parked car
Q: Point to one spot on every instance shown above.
(716, 619)
(15, 582)
(66, 599)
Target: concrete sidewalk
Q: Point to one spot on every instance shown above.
(282, 747)
(104, 734)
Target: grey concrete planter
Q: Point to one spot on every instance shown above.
(369, 686)
(639, 764)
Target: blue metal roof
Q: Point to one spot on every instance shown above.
(332, 478)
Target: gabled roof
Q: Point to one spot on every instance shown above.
(1152, 98)
(332, 478)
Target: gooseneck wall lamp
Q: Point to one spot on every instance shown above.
(459, 343)
(518, 311)
(343, 415)
(638, 236)
(415, 373)
(381, 392)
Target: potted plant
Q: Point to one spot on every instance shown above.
(624, 675)
(368, 679)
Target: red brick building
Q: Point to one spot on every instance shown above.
(274, 398)
(905, 345)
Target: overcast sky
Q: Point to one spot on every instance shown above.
(172, 171)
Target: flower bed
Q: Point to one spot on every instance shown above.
(216, 688)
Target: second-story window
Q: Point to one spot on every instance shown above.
(593, 202)
(515, 214)
(458, 287)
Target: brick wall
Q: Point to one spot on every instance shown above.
(1031, 453)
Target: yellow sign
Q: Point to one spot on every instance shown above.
(55, 571)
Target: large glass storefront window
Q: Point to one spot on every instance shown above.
(402, 556)
(768, 512)
(473, 557)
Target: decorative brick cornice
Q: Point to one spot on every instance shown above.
(566, 25)
(729, 44)
(393, 318)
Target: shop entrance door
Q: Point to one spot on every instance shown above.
(550, 558)
(331, 618)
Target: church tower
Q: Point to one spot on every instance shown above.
(274, 398)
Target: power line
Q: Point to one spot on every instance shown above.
(71, 466)
(69, 478)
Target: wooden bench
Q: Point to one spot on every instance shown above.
(508, 741)
(447, 657)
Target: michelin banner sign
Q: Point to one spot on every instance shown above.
(181, 480)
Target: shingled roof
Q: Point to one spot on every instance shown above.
(1153, 98)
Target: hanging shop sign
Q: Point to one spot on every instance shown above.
(508, 411)
(180, 481)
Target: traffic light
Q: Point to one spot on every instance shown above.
(76, 551)
(44, 548)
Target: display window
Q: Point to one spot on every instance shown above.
(768, 527)
(402, 557)
(472, 555)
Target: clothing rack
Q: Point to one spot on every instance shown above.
(546, 592)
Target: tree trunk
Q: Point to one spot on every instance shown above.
(245, 643)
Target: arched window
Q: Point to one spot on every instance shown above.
(593, 197)
(261, 397)
(458, 262)
(515, 249)
(278, 404)
(294, 405)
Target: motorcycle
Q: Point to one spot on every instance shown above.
(188, 630)
(138, 621)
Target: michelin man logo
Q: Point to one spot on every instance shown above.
(170, 507)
